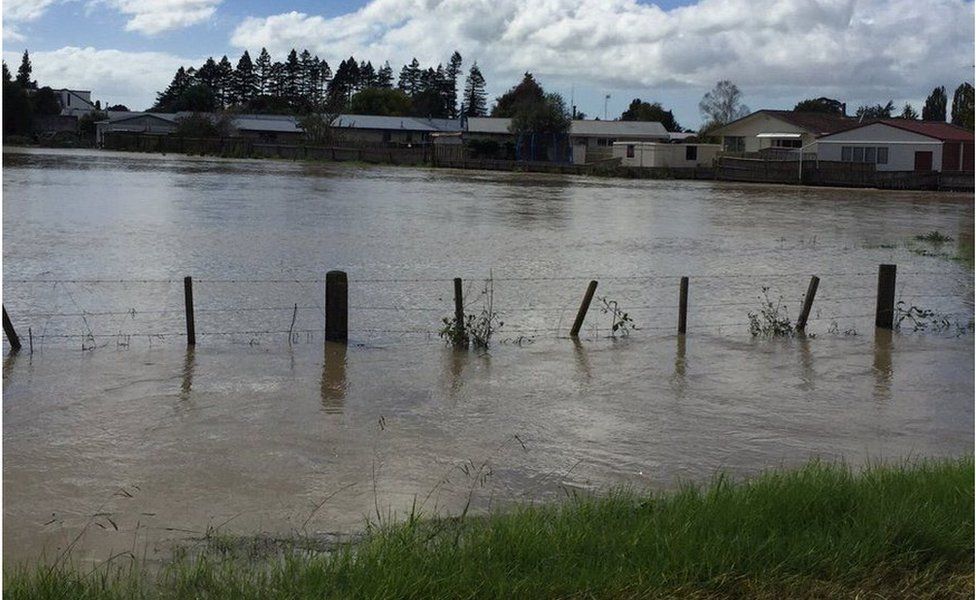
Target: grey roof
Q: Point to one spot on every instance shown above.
(271, 123)
(393, 123)
(488, 125)
(618, 129)
(117, 116)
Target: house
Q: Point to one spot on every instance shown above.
(280, 129)
(400, 131)
(136, 122)
(593, 140)
(75, 102)
(778, 131)
(901, 145)
(657, 154)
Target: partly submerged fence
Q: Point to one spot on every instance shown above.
(675, 309)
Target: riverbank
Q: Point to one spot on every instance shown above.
(817, 531)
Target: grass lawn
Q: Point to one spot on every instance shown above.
(820, 531)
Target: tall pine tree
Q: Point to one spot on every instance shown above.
(24, 72)
(262, 68)
(475, 102)
(935, 105)
(962, 106)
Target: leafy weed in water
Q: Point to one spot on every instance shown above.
(620, 321)
(934, 237)
(772, 319)
(477, 329)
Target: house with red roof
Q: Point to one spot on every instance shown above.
(901, 145)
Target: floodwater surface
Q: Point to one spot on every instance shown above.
(112, 429)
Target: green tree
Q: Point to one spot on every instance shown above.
(908, 112)
(453, 72)
(380, 101)
(875, 112)
(935, 105)
(245, 80)
(225, 83)
(650, 111)
(262, 69)
(527, 93)
(962, 106)
(723, 104)
(203, 125)
(45, 102)
(17, 110)
(475, 102)
(384, 77)
(86, 125)
(409, 81)
(820, 105)
(548, 115)
(24, 73)
(166, 99)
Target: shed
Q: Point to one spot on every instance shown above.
(901, 145)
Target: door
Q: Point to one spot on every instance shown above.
(923, 161)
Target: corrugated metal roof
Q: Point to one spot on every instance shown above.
(275, 124)
(488, 125)
(618, 129)
(936, 129)
(394, 123)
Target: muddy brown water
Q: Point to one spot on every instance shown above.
(138, 444)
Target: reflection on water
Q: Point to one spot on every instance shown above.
(333, 389)
(678, 377)
(808, 376)
(186, 383)
(582, 361)
(882, 363)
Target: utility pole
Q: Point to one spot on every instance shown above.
(605, 100)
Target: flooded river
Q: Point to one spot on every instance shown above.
(112, 428)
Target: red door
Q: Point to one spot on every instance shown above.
(923, 161)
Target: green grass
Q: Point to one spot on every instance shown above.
(818, 531)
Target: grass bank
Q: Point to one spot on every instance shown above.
(818, 531)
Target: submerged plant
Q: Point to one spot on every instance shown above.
(921, 319)
(934, 237)
(772, 319)
(477, 329)
(620, 321)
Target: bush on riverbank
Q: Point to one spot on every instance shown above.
(819, 531)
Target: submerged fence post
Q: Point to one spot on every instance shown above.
(458, 306)
(801, 321)
(191, 330)
(8, 330)
(584, 307)
(683, 306)
(336, 307)
(885, 313)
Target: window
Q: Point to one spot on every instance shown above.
(883, 155)
(858, 154)
(845, 153)
(787, 143)
(630, 151)
(869, 155)
(691, 152)
(734, 143)
(386, 136)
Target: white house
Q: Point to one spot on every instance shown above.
(655, 154)
(75, 102)
(901, 145)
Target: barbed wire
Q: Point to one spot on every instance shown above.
(650, 276)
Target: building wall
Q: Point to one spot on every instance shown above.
(752, 126)
(901, 146)
(665, 155)
(143, 124)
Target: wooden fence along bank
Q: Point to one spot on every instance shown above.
(808, 172)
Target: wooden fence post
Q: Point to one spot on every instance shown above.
(8, 330)
(191, 330)
(336, 307)
(584, 307)
(683, 306)
(801, 321)
(885, 313)
(458, 305)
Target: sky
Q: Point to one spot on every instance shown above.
(671, 51)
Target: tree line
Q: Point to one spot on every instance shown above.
(304, 83)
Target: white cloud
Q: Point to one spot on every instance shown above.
(113, 76)
(18, 12)
(849, 48)
(150, 17)
(25, 10)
